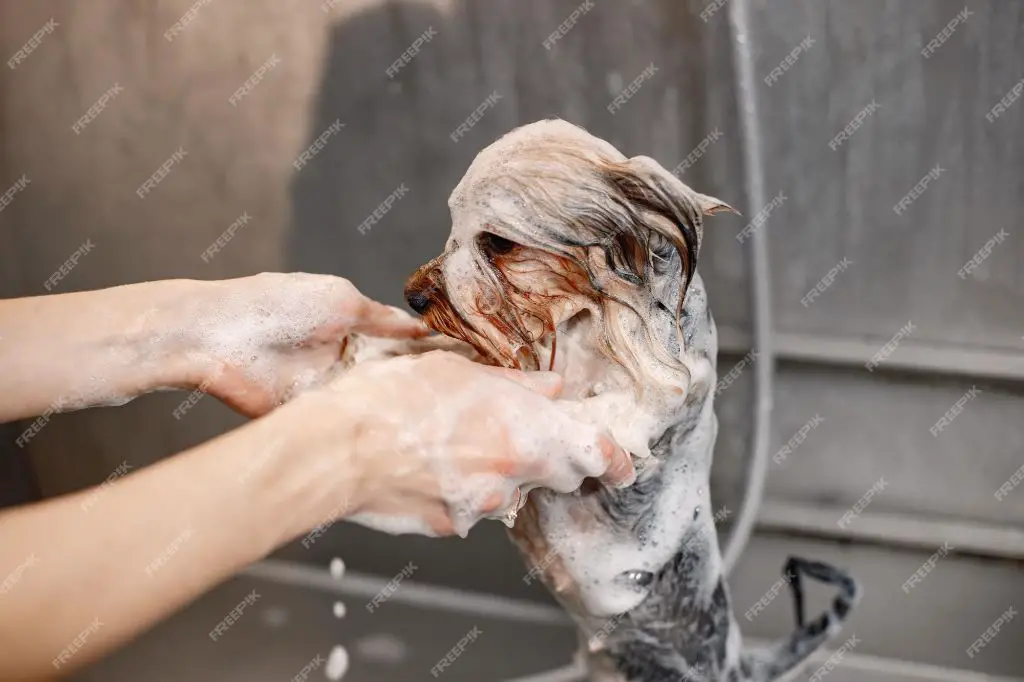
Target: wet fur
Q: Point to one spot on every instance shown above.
(558, 219)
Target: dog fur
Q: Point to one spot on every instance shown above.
(565, 254)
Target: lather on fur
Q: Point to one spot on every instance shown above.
(565, 254)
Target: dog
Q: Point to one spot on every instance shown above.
(566, 255)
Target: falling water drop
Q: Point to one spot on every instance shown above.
(339, 609)
(337, 663)
(337, 568)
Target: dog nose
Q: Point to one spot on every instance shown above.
(418, 301)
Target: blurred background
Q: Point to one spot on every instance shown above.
(889, 139)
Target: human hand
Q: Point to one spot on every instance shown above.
(254, 341)
(438, 442)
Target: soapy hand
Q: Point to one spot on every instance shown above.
(257, 340)
(440, 442)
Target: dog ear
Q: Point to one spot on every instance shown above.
(649, 188)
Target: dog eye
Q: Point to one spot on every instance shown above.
(495, 245)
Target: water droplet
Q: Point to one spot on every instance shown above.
(337, 568)
(337, 663)
(696, 513)
(339, 609)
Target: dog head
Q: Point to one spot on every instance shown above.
(565, 254)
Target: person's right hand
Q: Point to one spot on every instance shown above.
(438, 442)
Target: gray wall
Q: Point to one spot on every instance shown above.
(838, 204)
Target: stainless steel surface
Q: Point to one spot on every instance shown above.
(289, 626)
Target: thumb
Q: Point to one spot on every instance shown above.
(545, 383)
(377, 319)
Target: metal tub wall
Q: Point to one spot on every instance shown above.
(324, 66)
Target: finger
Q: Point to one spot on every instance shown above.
(376, 319)
(574, 450)
(545, 383)
(620, 471)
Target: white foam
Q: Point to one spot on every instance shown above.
(393, 524)
(337, 663)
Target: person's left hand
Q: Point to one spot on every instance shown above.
(254, 341)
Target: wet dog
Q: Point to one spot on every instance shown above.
(565, 254)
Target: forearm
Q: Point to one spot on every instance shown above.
(69, 351)
(104, 564)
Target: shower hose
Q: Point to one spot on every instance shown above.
(760, 292)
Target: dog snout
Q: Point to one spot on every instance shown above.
(421, 289)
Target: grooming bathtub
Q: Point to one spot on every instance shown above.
(290, 623)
